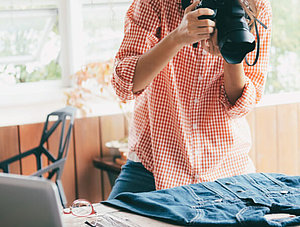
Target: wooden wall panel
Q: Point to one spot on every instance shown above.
(69, 174)
(251, 121)
(68, 177)
(287, 139)
(112, 128)
(9, 146)
(266, 139)
(87, 146)
(30, 136)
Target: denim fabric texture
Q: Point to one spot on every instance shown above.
(134, 177)
(235, 201)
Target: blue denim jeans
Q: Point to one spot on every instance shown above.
(134, 177)
(235, 201)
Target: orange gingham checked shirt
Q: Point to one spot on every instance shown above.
(184, 129)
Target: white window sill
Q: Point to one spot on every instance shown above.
(32, 102)
(280, 99)
(30, 93)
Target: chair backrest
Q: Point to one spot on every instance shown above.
(61, 116)
(64, 118)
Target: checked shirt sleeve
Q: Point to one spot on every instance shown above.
(255, 75)
(141, 33)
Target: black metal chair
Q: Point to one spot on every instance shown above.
(56, 164)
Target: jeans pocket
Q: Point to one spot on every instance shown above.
(252, 215)
(197, 219)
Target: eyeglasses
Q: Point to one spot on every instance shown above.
(81, 208)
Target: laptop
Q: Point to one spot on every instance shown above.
(29, 201)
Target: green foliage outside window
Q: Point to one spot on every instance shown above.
(284, 70)
(24, 42)
(22, 74)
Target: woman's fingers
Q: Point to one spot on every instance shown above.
(204, 45)
(201, 12)
(191, 7)
(202, 30)
(205, 23)
(214, 38)
(203, 26)
(209, 46)
(191, 29)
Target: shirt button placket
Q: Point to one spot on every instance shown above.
(194, 111)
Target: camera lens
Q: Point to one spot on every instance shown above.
(234, 37)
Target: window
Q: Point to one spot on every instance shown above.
(29, 42)
(284, 70)
(103, 25)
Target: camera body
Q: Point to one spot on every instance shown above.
(234, 37)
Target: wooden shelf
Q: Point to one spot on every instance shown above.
(107, 164)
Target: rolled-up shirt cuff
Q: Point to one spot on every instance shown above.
(123, 78)
(243, 105)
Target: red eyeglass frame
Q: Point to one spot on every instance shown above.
(79, 200)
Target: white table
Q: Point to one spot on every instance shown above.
(132, 220)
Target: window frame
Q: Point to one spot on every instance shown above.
(36, 95)
(51, 12)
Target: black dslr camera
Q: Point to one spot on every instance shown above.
(234, 37)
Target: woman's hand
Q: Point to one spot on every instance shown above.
(211, 45)
(191, 29)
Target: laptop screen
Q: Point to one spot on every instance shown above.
(28, 201)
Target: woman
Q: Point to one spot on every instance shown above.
(190, 105)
